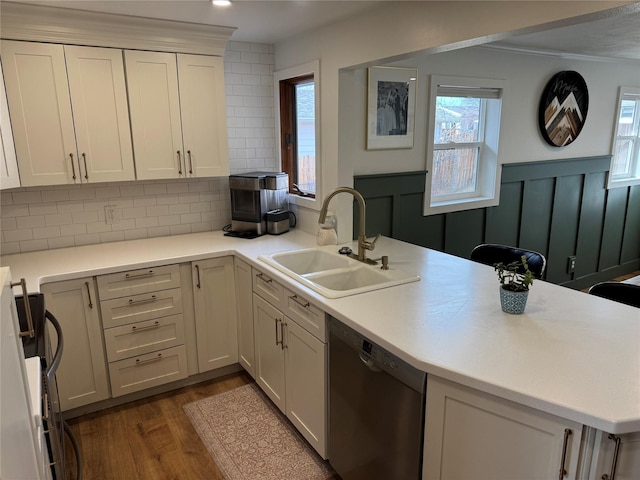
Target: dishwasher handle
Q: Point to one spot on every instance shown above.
(371, 365)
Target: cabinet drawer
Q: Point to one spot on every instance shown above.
(134, 282)
(144, 337)
(146, 371)
(138, 308)
(268, 288)
(306, 314)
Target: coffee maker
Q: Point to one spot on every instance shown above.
(259, 204)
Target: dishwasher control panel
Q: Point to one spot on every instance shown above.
(376, 357)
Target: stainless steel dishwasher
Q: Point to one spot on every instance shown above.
(376, 410)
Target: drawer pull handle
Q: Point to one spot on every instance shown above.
(302, 303)
(190, 162)
(144, 300)
(179, 163)
(130, 276)
(149, 360)
(199, 285)
(89, 294)
(614, 461)
(565, 444)
(156, 324)
(264, 278)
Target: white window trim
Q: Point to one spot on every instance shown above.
(629, 181)
(488, 177)
(311, 68)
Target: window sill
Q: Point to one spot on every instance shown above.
(459, 205)
(627, 182)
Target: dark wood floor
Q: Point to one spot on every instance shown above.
(150, 439)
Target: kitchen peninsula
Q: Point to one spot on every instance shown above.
(571, 355)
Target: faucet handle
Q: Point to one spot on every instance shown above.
(371, 245)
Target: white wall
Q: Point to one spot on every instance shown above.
(42, 218)
(393, 31)
(520, 138)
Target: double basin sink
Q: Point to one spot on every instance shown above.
(334, 275)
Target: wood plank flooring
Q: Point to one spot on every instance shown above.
(150, 439)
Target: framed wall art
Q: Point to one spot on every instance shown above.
(563, 108)
(391, 101)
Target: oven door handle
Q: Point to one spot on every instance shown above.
(51, 369)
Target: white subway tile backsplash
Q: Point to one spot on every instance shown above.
(61, 242)
(59, 219)
(33, 245)
(39, 218)
(55, 195)
(17, 235)
(46, 232)
(30, 221)
(43, 209)
(26, 197)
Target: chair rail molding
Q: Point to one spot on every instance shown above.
(76, 27)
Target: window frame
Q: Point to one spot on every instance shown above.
(488, 175)
(634, 178)
(304, 70)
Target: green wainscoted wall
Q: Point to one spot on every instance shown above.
(560, 208)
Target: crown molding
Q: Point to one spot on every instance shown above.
(39, 23)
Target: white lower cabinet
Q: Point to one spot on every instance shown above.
(244, 305)
(215, 310)
(291, 362)
(82, 375)
(143, 328)
(615, 457)
(470, 434)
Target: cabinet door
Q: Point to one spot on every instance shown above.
(628, 461)
(215, 307)
(100, 113)
(40, 108)
(306, 381)
(469, 434)
(152, 85)
(268, 329)
(82, 375)
(203, 110)
(9, 177)
(244, 302)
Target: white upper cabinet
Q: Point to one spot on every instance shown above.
(155, 114)
(40, 107)
(174, 98)
(100, 111)
(51, 108)
(202, 101)
(9, 177)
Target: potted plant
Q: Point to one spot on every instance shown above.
(515, 280)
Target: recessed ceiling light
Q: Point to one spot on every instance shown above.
(221, 3)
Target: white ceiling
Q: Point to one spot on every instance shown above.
(267, 21)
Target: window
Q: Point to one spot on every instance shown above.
(462, 156)
(625, 161)
(298, 123)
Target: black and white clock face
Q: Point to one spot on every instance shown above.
(563, 108)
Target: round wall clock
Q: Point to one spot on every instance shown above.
(563, 108)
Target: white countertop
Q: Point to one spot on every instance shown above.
(570, 354)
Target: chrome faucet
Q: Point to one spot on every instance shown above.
(363, 244)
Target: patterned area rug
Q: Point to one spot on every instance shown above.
(250, 439)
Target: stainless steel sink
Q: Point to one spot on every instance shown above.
(333, 275)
